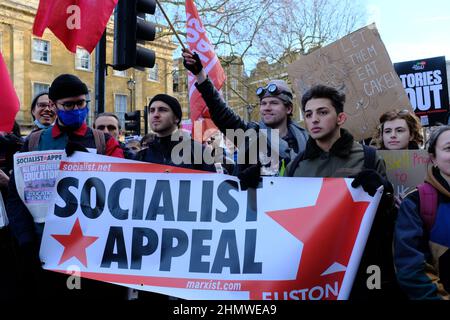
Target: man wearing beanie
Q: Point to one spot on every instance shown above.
(68, 96)
(164, 117)
(275, 109)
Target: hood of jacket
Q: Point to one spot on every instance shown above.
(435, 178)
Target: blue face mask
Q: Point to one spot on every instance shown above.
(73, 118)
(40, 125)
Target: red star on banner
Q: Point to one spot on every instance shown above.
(321, 229)
(75, 244)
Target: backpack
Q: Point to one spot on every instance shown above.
(428, 196)
(369, 160)
(99, 138)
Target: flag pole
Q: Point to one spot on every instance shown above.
(170, 24)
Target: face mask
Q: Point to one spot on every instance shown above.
(73, 118)
(40, 125)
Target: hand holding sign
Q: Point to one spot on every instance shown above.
(191, 61)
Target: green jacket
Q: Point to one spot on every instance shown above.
(345, 159)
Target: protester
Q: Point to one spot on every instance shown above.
(147, 139)
(164, 119)
(134, 146)
(42, 111)
(275, 110)
(10, 143)
(332, 152)
(68, 95)
(422, 229)
(399, 130)
(215, 141)
(108, 122)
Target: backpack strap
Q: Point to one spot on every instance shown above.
(294, 164)
(33, 141)
(369, 157)
(428, 196)
(100, 143)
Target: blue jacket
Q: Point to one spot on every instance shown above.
(422, 258)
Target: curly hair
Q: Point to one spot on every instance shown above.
(412, 121)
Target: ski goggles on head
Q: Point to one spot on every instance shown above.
(271, 89)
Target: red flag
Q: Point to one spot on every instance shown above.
(74, 22)
(10, 102)
(198, 42)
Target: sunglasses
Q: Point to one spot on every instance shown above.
(272, 89)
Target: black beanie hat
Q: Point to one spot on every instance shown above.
(171, 102)
(65, 86)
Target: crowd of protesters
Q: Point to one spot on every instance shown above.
(418, 265)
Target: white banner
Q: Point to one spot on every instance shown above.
(196, 235)
(35, 174)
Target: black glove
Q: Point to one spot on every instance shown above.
(370, 180)
(196, 67)
(71, 147)
(250, 177)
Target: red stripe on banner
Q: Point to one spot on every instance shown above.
(123, 167)
(255, 288)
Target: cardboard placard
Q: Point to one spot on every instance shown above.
(405, 169)
(358, 65)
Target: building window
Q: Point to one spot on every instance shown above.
(91, 105)
(153, 75)
(41, 51)
(234, 84)
(82, 60)
(176, 81)
(39, 87)
(119, 73)
(120, 108)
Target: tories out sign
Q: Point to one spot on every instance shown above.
(425, 82)
(197, 235)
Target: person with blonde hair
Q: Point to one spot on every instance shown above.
(399, 130)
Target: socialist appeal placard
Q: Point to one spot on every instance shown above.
(197, 235)
(425, 82)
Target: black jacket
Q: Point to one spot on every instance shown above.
(159, 151)
(225, 118)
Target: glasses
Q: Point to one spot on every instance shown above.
(272, 89)
(70, 105)
(44, 105)
(109, 127)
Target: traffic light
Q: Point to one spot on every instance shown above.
(131, 28)
(133, 122)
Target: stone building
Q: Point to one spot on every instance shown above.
(34, 62)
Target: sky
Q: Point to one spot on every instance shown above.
(412, 29)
